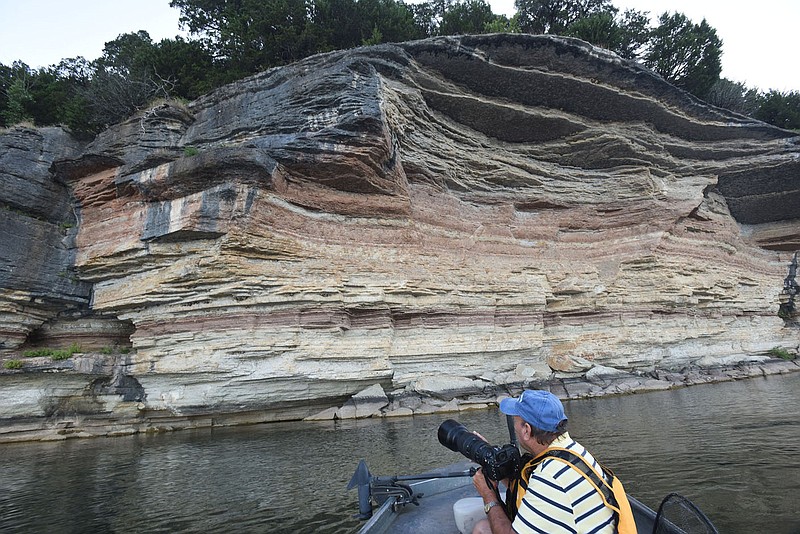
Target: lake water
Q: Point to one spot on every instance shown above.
(733, 448)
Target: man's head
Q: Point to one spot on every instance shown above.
(540, 416)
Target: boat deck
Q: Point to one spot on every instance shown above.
(438, 517)
(434, 515)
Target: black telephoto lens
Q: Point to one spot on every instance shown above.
(498, 462)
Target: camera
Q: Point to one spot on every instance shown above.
(497, 462)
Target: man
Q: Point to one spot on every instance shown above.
(558, 498)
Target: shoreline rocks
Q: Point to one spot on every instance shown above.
(106, 413)
(598, 382)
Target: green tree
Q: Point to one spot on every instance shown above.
(503, 24)
(466, 17)
(76, 74)
(428, 17)
(626, 35)
(129, 54)
(336, 21)
(46, 96)
(555, 16)
(375, 38)
(125, 79)
(780, 109)
(600, 29)
(685, 54)
(733, 96)
(394, 20)
(17, 97)
(188, 65)
(248, 36)
(635, 33)
(5, 83)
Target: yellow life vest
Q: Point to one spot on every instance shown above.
(611, 490)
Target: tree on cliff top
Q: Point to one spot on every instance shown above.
(555, 16)
(249, 36)
(685, 54)
(341, 24)
(734, 96)
(14, 93)
(780, 109)
(465, 17)
(595, 21)
(626, 35)
(49, 95)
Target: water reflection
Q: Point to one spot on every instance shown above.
(733, 448)
(729, 447)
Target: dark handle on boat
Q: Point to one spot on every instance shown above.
(511, 434)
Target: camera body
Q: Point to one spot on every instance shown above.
(497, 462)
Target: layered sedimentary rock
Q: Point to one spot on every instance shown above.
(38, 223)
(467, 212)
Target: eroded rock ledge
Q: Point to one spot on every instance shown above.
(600, 382)
(113, 405)
(468, 209)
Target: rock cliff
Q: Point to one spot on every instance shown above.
(446, 217)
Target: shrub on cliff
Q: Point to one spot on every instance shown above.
(780, 352)
(53, 354)
(780, 109)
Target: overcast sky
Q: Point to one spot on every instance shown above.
(759, 43)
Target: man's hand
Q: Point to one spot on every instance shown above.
(498, 520)
(486, 488)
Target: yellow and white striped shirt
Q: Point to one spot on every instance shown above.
(560, 500)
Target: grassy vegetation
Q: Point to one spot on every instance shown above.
(116, 349)
(13, 364)
(53, 354)
(780, 352)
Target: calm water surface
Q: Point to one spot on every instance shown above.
(733, 448)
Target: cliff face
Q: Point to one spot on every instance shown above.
(38, 222)
(449, 214)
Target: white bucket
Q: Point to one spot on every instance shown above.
(467, 512)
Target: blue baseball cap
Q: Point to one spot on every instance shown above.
(537, 407)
